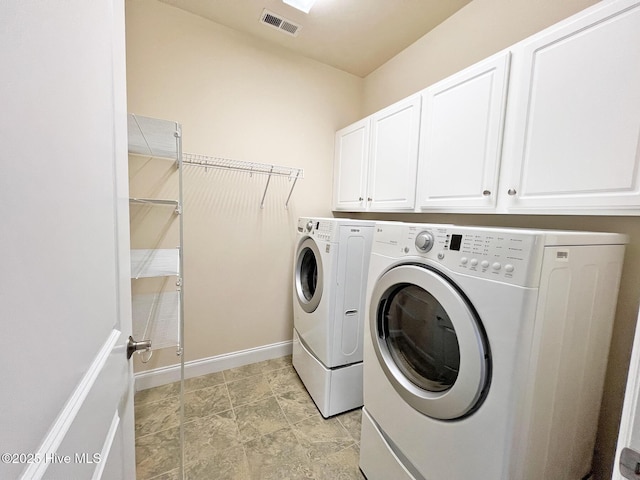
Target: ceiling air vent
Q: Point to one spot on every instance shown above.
(278, 22)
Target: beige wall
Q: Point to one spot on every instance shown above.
(236, 97)
(476, 31)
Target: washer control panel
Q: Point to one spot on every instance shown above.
(332, 229)
(424, 241)
(323, 230)
(498, 254)
(319, 228)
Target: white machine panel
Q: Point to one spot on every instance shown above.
(320, 228)
(507, 255)
(545, 303)
(328, 355)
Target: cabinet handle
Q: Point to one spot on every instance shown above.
(369, 199)
(486, 193)
(512, 191)
(360, 199)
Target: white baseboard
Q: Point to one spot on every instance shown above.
(204, 366)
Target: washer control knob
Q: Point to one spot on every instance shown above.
(484, 264)
(508, 268)
(464, 260)
(309, 225)
(474, 262)
(496, 266)
(424, 241)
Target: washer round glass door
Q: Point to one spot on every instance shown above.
(308, 275)
(429, 342)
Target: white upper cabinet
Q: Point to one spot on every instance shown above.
(461, 138)
(376, 160)
(393, 159)
(350, 167)
(572, 136)
(564, 140)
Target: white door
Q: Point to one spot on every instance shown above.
(66, 391)
(350, 167)
(393, 157)
(461, 138)
(627, 460)
(573, 120)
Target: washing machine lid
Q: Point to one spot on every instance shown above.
(430, 342)
(308, 275)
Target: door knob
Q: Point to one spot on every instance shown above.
(133, 346)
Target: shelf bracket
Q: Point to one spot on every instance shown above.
(266, 187)
(286, 204)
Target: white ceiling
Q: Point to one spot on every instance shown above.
(356, 36)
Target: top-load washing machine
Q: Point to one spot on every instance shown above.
(485, 351)
(330, 271)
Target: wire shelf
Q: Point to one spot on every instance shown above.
(206, 162)
(153, 137)
(149, 263)
(156, 201)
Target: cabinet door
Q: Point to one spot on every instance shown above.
(394, 156)
(573, 121)
(461, 138)
(350, 166)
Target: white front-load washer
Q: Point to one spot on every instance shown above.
(331, 265)
(486, 351)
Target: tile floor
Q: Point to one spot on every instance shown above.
(255, 422)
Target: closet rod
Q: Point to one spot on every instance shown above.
(206, 162)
